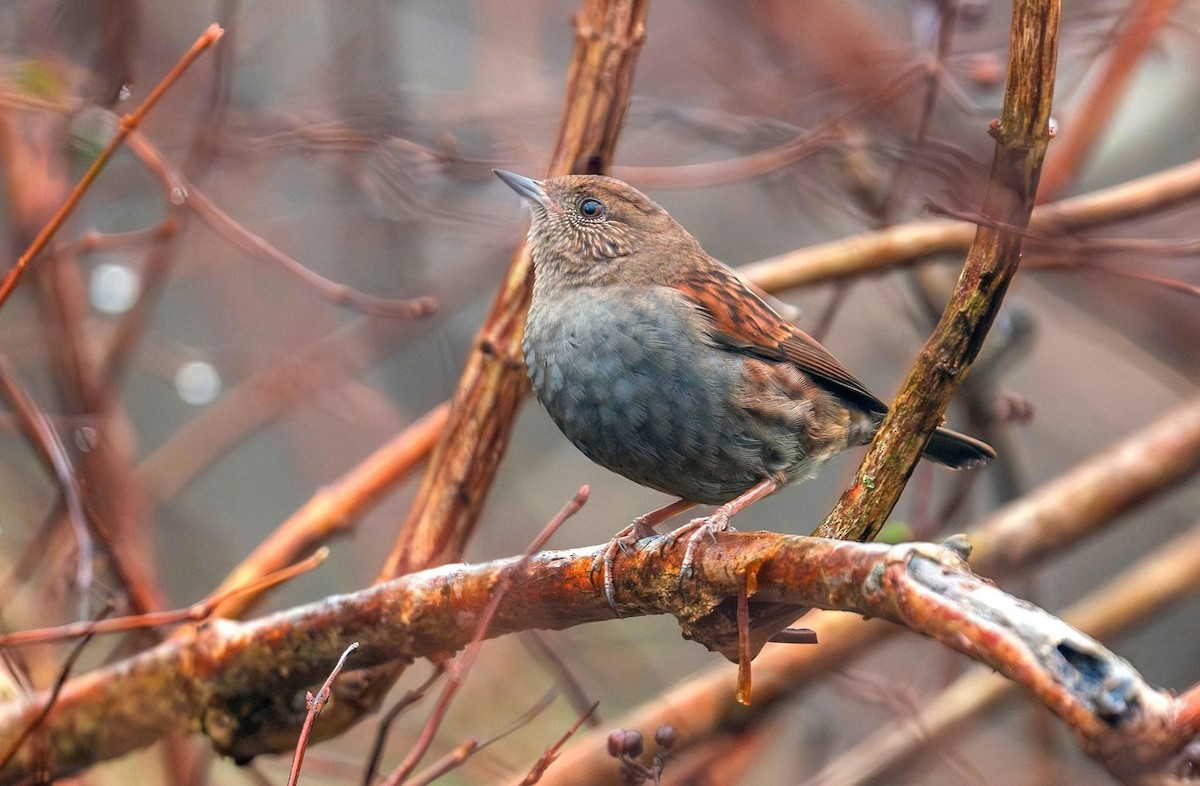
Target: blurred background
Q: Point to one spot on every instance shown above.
(205, 391)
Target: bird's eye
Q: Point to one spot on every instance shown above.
(591, 208)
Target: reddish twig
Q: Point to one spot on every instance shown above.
(385, 723)
(127, 125)
(450, 761)
(547, 758)
(568, 683)
(195, 613)
(44, 437)
(315, 705)
(459, 671)
(236, 234)
(1088, 121)
(460, 754)
(54, 692)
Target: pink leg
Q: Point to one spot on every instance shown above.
(697, 529)
(642, 527)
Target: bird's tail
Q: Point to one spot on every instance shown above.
(957, 451)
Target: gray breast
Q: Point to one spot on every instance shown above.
(636, 387)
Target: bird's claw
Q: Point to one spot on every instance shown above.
(696, 530)
(606, 560)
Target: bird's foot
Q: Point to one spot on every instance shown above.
(623, 541)
(695, 531)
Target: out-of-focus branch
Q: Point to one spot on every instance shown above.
(1051, 519)
(1022, 134)
(254, 403)
(229, 667)
(1154, 460)
(907, 244)
(334, 508)
(127, 125)
(40, 432)
(1079, 133)
(233, 232)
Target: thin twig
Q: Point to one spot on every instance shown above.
(1091, 118)
(233, 232)
(389, 717)
(572, 688)
(460, 754)
(315, 705)
(196, 613)
(44, 437)
(127, 125)
(547, 758)
(450, 761)
(460, 670)
(54, 692)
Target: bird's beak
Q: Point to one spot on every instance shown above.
(527, 187)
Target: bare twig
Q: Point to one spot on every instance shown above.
(127, 125)
(196, 613)
(385, 722)
(551, 753)
(568, 683)
(315, 705)
(450, 761)
(233, 232)
(44, 437)
(63, 674)
(460, 754)
(459, 671)
(1088, 121)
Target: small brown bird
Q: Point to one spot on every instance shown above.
(660, 364)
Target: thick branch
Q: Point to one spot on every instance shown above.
(1169, 573)
(1022, 135)
(234, 677)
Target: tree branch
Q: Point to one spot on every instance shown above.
(1022, 135)
(232, 678)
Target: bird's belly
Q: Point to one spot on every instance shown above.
(639, 396)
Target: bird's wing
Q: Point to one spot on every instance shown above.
(741, 321)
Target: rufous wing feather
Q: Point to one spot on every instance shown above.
(742, 322)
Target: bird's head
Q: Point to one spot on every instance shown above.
(591, 229)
